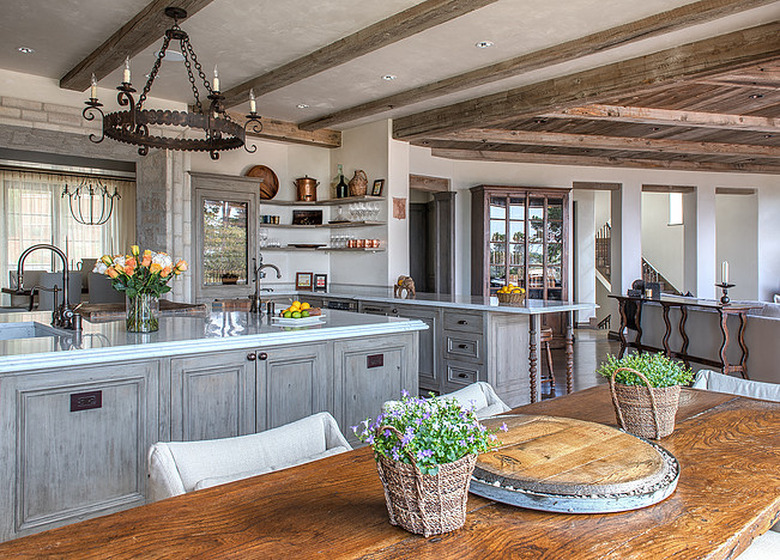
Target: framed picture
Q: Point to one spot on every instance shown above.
(320, 282)
(376, 190)
(303, 281)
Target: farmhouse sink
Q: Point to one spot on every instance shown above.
(27, 329)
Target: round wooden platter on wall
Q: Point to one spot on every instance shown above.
(550, 463)
(269, 182)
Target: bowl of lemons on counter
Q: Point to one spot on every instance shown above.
(511, 294)
(300, 310)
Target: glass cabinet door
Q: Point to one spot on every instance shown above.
(526, 242)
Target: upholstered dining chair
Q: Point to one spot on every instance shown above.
(766, 546)
(176, 467)
(480, 395)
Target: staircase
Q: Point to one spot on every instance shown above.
(604, 250)
(651, 274)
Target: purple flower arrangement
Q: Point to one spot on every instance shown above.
(434, 431)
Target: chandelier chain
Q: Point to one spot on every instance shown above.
(153, 73)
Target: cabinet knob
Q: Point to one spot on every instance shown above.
(262, 356)
(394, 311)
(463, 322)
(251, 356)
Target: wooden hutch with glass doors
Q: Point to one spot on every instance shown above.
(520, 236)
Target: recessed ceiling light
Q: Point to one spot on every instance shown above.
(389, 77)
(757, 96)
(655, 128)
(302, 106)
(484, 44)
(25, 50)
(171, 55)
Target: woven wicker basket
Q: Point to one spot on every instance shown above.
(511, 298)
(646, 412)
(426, 504)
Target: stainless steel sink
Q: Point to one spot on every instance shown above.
(27, 329)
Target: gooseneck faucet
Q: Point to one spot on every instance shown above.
(259, 274)
(63, 316)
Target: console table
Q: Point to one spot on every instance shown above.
(683, 304)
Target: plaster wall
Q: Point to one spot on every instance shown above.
(662, 244)
(737, 243)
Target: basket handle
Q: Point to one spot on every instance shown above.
(615, 403)
(417, 473)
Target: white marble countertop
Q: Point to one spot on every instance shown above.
(102, 342)
(453, 301)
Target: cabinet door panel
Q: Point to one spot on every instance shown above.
(293, 383)
(80, 444)
(212, 396)
(429, 345)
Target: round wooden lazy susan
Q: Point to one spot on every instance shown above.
(550, 463)
(269, 182)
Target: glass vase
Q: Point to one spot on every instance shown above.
(142, 311)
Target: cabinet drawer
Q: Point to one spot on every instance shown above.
(378, 309)
(463, 322)
(460, 374)
(458, 346)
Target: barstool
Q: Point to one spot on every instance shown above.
(545, 337)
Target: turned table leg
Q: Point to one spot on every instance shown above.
(725, 332)
(570, 354)
(622, 330)
(743, 345)
(532, 354)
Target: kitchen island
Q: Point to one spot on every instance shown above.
(79, 411)
(469, 338)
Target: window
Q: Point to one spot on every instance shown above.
(225, 236)
(33, 211)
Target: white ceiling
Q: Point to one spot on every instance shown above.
(249, 37)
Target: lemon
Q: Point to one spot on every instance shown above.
(305, 306)
(296, 303)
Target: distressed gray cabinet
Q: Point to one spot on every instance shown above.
(430, 377)
(292, 382)
(212, 396)
(81, 436)
(369, 372)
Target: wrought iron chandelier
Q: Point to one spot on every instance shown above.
(90, 204)
(131, 126)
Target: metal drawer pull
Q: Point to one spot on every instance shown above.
(463, 345)
(251, 356)
(463, 322)
(463, 375)
(86, 401)
(262, 356)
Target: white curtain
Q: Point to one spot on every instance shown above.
(33, 210)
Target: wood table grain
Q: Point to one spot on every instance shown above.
(729, 493)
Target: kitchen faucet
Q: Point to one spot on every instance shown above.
(63, 316)
(259, 274)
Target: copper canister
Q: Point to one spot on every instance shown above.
(307, 188)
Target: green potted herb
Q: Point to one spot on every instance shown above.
(425, 451)
(645, 392)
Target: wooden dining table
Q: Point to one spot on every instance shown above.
(728, 493)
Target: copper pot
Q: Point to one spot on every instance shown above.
(307, 188)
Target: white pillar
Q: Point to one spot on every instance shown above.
(690, 244)
(626, 236)
(706, 242)
(586, 252)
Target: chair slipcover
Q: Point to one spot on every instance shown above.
(719, 383)
(480, 395)
(179, 467)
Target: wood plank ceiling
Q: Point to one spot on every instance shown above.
(713, 104)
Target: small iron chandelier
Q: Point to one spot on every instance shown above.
(90, 204)
(132, 125)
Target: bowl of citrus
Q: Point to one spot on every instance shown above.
(300, 310)
(511, 294)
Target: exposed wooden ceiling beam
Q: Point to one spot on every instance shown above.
(386, 32)
(643, 74)
(657, 24)
(668, 117)
(601, 161)
(274, 129)
(592, 141)
(146, 27)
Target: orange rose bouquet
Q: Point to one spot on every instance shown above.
(140, 273)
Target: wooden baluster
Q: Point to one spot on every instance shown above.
(570, 354)
(532, 355)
